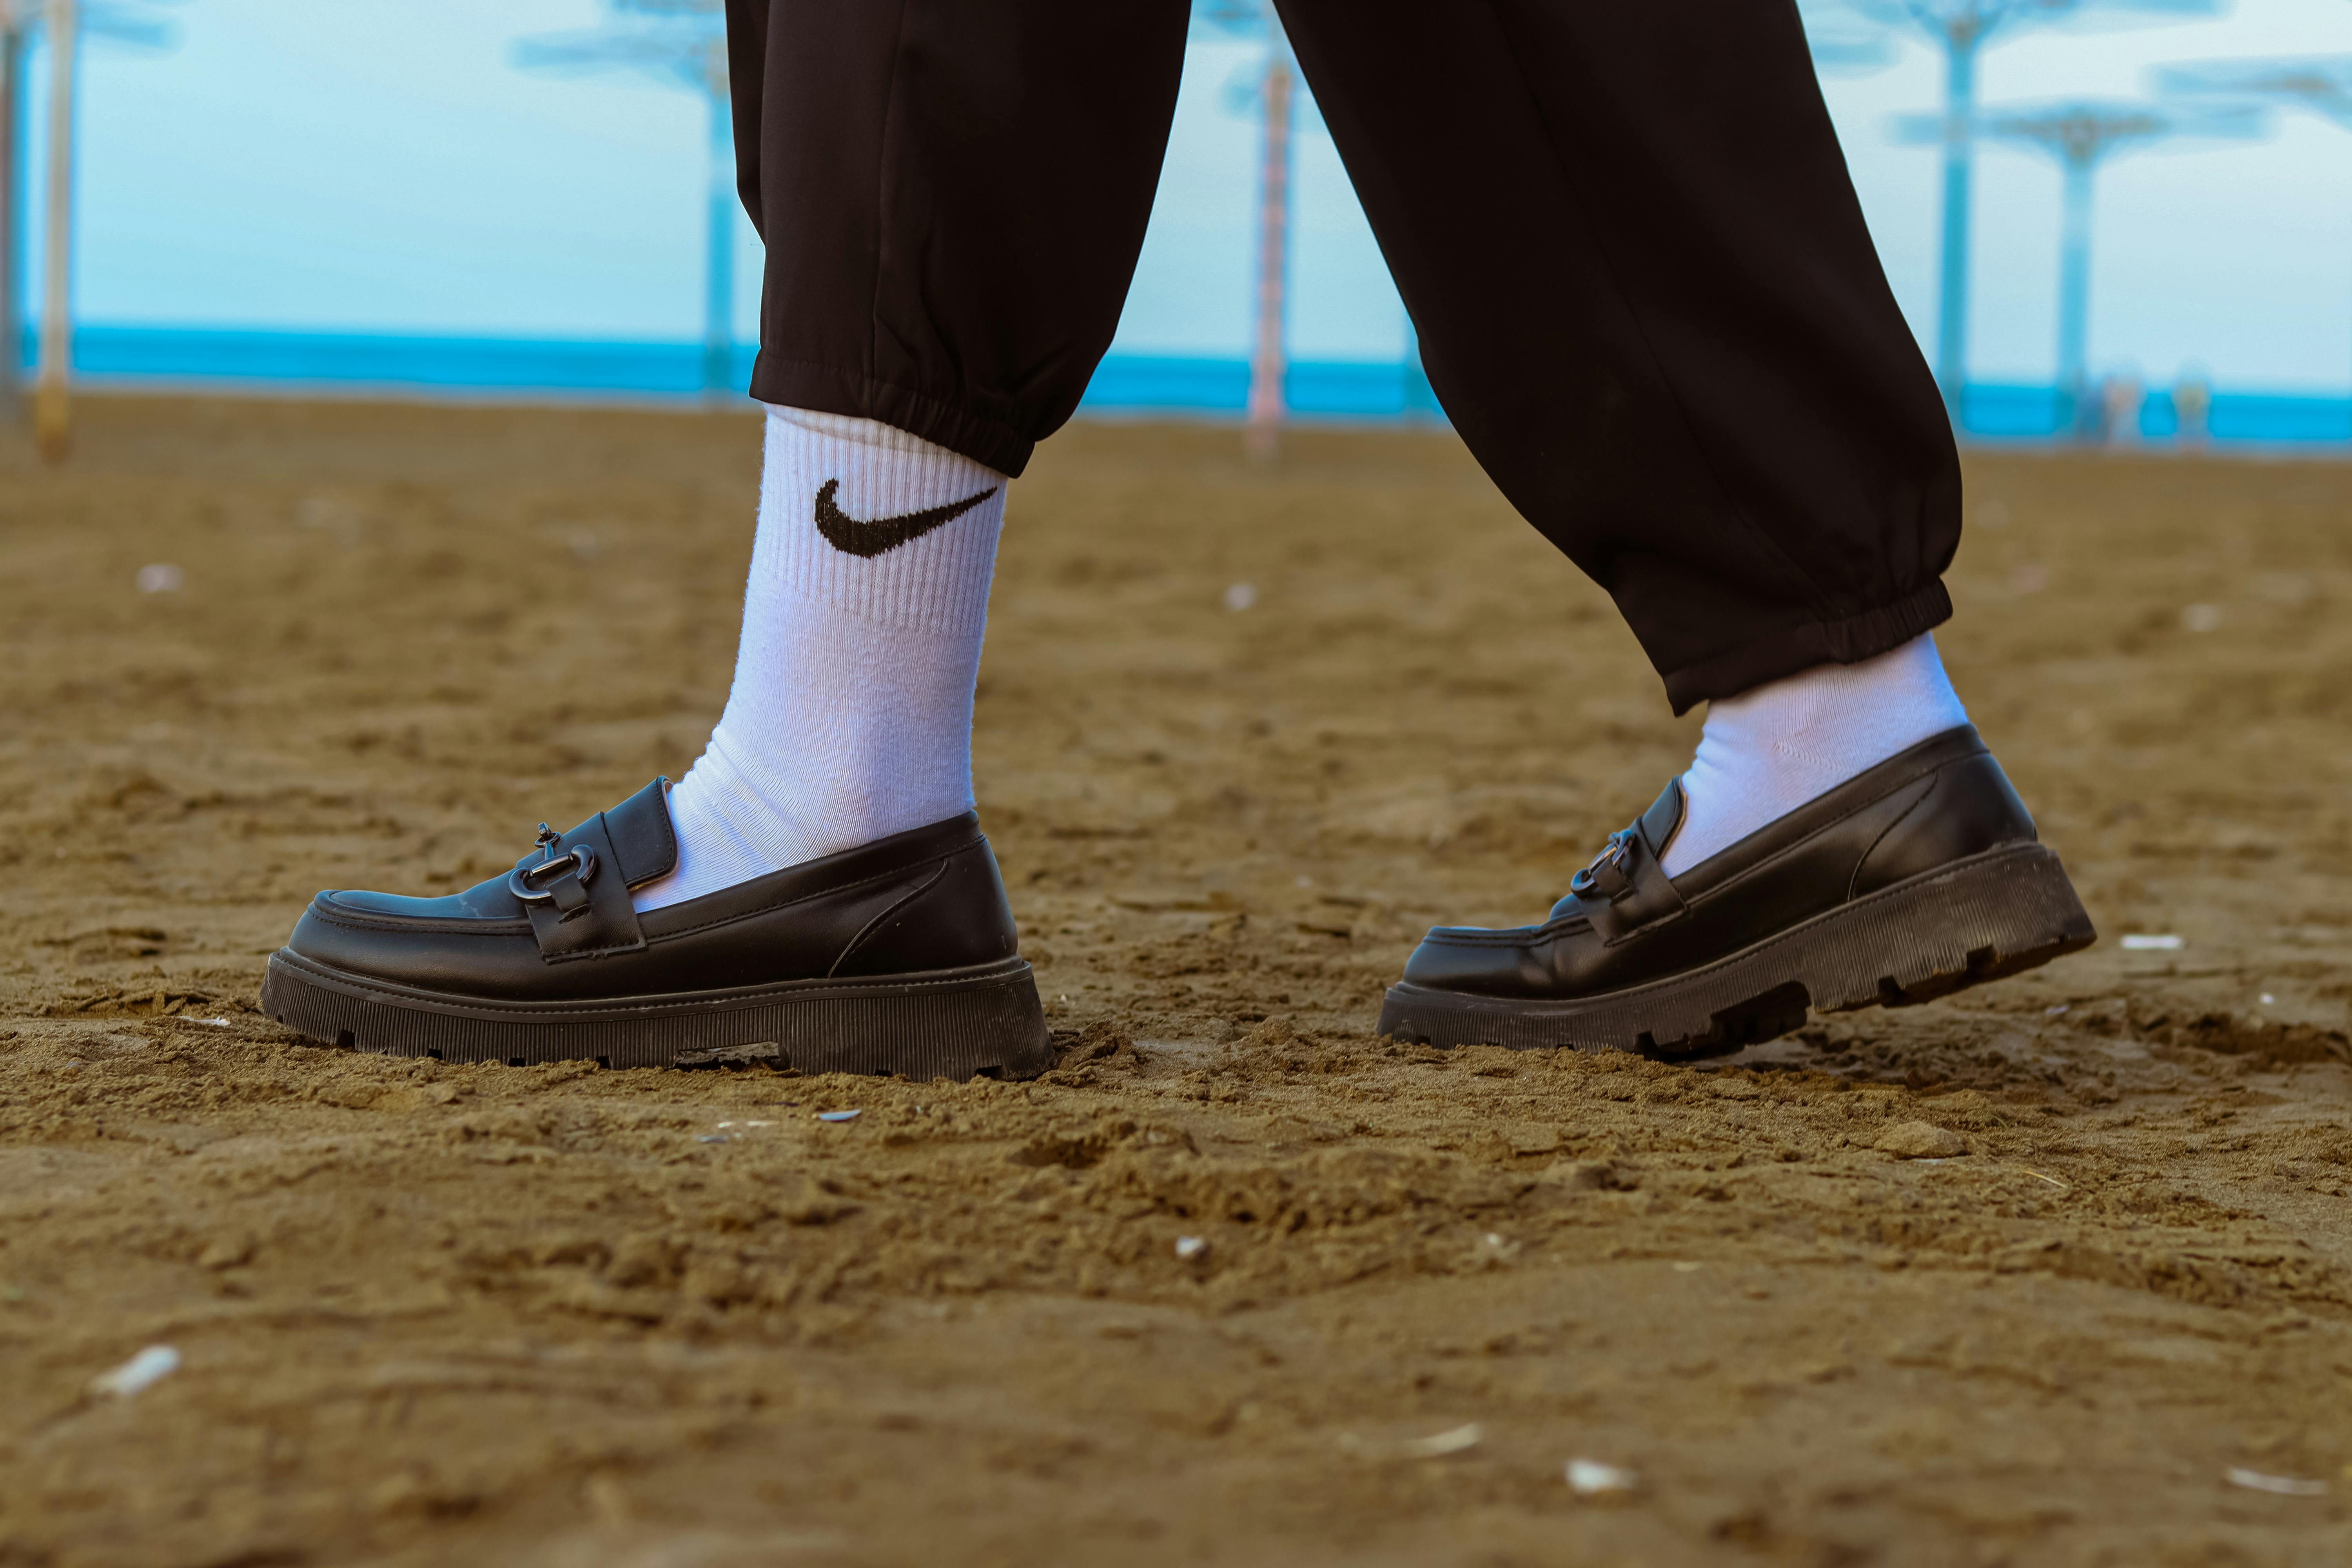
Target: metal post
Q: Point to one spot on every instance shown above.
(11, 227)
(718, 264)
(1952, 307)
(1267, 365)
(2074, 292)
(52, 428)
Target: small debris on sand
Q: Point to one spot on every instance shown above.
(1919, 1141)
(1591, 1478)
(1437, 1445)
(138, 1374)
(2281, 1486)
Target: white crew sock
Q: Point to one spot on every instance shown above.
(850, 717)
(1764, 752)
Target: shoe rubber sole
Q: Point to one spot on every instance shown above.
(943, 1023)
(1991, 915)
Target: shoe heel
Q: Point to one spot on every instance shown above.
(1989, 918)
(993, 1030)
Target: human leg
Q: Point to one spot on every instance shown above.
(1647, 300)
(850, 716)
(953, 196)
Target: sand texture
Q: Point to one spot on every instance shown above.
(2056, 1272)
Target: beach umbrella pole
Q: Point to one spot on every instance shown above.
(52, 415)
(1952, 268)
(12, 227)
(718, 259)
(1263, 428)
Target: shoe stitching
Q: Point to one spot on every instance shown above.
(867, 928)
(462, 925)
(1852, 881)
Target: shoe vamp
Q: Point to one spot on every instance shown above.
(1521, 963)
(485, 901)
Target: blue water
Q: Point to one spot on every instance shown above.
(1135, 384)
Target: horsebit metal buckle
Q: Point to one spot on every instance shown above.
(1612, 871)
(525, 882)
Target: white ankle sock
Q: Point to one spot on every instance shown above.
(850, 713)
(1764, 752)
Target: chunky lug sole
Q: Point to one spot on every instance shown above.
(1995, 914)
(942, 1024)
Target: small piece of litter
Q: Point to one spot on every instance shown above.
(2054, 1012)
(2141, 942)
(839, 1115)
(714, 1138)
(2040, 1177)
(2281, 1486)
(1191, 1245)
(725, 1125)
(1591, 1477)
(1688, 1268)
(759, 1124)
(1437, 1445)
(1241, 597)
(139, 1373)
(2269, 1000)
(162, 578)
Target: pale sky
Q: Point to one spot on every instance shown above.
(347, 165)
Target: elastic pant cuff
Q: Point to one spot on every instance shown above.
(1802, 647)
(795, 383)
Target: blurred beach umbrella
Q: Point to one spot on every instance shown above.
(1960, 28)
(123, 21)
(2321, 84)
(1843, 40)
(2081, 134)
(683, 42)
(1272, 87)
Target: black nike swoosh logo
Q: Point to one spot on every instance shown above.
(860, 536)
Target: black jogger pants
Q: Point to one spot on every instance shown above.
(1624, 231)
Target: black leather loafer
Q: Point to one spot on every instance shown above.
(1917, 878)
(899, 956)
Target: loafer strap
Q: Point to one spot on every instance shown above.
(575, 886)
(1626, 890)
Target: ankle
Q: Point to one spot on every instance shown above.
(1764, 752)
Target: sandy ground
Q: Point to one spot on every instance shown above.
(669, 1319)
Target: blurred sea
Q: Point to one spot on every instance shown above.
(202, 358)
